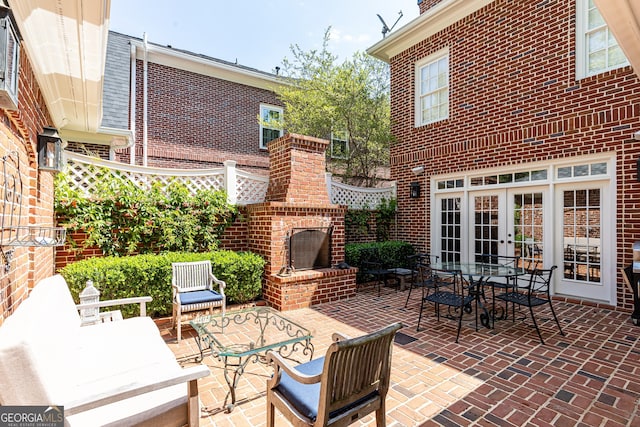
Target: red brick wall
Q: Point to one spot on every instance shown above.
(297, 170)
(428, 4)
(514, 97)
(18, 132)
(197, 121)
(317, 287)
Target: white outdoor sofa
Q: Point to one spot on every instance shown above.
(115, 373)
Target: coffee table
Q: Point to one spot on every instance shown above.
(244, 335)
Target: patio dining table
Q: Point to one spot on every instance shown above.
(479, 274)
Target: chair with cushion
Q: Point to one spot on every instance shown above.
(534, 294)
(349, 382)
(192, 284)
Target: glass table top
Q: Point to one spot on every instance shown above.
(480, 269)
(250, 331)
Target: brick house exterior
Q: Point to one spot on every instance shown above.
(19, 130)
(190, 111)
(529, 150)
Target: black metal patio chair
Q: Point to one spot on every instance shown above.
(420, 273)
(503, 284)
(452, 291)
(534, 294)
(372, 267)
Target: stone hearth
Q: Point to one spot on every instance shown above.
(297, 197)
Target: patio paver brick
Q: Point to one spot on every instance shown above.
(499, 377)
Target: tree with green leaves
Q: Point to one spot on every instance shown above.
(349, 101)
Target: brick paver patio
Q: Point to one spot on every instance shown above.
(504, 376)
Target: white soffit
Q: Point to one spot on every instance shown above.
(439, 17)
(66, 41)
(623, 18)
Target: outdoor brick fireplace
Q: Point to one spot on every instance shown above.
(297, 202)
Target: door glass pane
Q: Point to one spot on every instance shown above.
(528, 229)
(485, 226)
(582, 219)
(450, 229)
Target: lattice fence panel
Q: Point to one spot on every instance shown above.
(249, 188)
(83, 176)
(360, 198)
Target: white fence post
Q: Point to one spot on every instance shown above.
(328, 178)
(230, 179)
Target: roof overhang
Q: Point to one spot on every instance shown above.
(623, 18)
(437, 18)
(205, 66)
(66, 42)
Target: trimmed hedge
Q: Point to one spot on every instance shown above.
(130, 276)
(392, 254)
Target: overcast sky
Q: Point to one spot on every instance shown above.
(259, 33)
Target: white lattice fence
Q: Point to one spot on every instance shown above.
(243, 188)
(248, 188)
(359, 197)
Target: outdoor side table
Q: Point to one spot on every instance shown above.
(239, 337)
(403, 275)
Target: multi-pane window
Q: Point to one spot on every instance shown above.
(270, 124)
(581, 224)
(597, 48)
(339, 144)
(432, 100)
(450, 229)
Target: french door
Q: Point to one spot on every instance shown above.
(508, 222)
(560, 214)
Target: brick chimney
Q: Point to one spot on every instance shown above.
(297, 170)
(297, 198)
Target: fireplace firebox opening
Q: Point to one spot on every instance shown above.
(310, 248)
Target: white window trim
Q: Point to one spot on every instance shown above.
(263, 145)
(418, 66)
(581, 44)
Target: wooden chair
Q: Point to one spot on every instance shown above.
(192, 284)
(349, 382)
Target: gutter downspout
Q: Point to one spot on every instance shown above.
(132, 104)
(144, 102)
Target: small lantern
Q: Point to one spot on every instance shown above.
(89, 294)
(414, 190)
(49, 150)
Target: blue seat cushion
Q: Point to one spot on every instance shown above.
(198, 297)
(305, 397)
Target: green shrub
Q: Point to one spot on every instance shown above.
(129, 276)
(391, 254)
(123, 219)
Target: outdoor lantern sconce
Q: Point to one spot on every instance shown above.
(414, 190)
(49, 150)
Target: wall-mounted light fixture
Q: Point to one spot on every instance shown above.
(417, 170)
(49, 150)
(414, 190)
